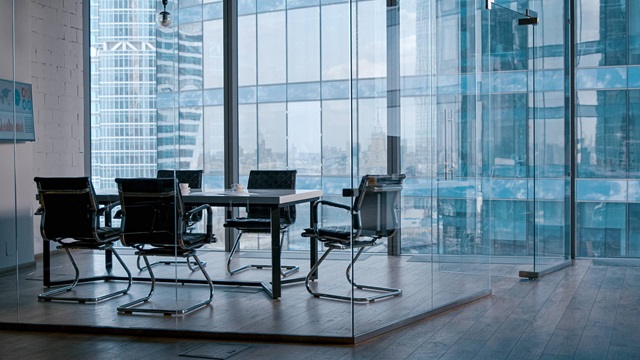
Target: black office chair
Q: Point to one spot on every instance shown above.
(373, 216)
(194, 179)
(154, 222)
(258, 218)
(71, 218)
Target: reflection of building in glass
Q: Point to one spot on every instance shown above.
(123, 109)
(180, 130)
(424, 119)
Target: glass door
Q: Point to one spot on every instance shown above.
(457, 251)
(505, 136)
(523, 148)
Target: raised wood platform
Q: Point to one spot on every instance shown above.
(240, 312)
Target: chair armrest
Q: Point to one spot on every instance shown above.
(202, 207)
(316, 205)
(108, 207)
(350, 192)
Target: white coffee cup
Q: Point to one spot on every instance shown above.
(184, 188)
(237, 187)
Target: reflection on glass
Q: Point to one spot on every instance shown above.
(504, 227)
(508, 45)
(601, 134)
(634, 230)
(601, 29)
(634, 32)
(550, 136)
(601, 229)
(213, 153)
(247, 71)
(335, 140)
(272, 48)
(272, 136)
(248, 138)
(335, 42)
(372, 136)
(371, 42)
(213, 54)
(505, 136)
(304, 138)
(303, 45)
(550, 228)
(634, 133)
(190, 71)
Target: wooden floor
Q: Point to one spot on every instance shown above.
(586, 311)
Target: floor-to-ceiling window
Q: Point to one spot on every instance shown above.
(293, 71)
(607, 118)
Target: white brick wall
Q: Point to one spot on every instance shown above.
(56, 73)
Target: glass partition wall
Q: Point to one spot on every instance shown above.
(16, 159)
(9, 150)
(551, 144)
(439, 91)
(525, 140)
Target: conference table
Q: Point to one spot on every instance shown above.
(272, 199)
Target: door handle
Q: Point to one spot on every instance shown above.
(448, 145)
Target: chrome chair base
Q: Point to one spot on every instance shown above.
(285, 270)
(192, 265)
(386, 292)
(52, 294)
(131, 307)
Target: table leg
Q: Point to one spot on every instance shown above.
(313, 248)
(276, 282)
(46, 263)
(108, 254)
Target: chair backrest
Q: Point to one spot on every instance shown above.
(272, 179)
(68, 207)
(377, 203)
(192, 177)
(152, 212)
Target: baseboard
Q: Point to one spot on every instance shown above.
(12, 269)
(39, 256)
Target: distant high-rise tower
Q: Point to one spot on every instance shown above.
(123, 90)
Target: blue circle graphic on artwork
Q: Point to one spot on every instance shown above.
(29, 104)
(24, 104)
(18, 98)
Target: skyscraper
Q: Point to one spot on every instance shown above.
(123, 90)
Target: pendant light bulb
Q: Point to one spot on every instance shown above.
(164, 18)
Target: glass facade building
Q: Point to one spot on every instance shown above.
(123, 90)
